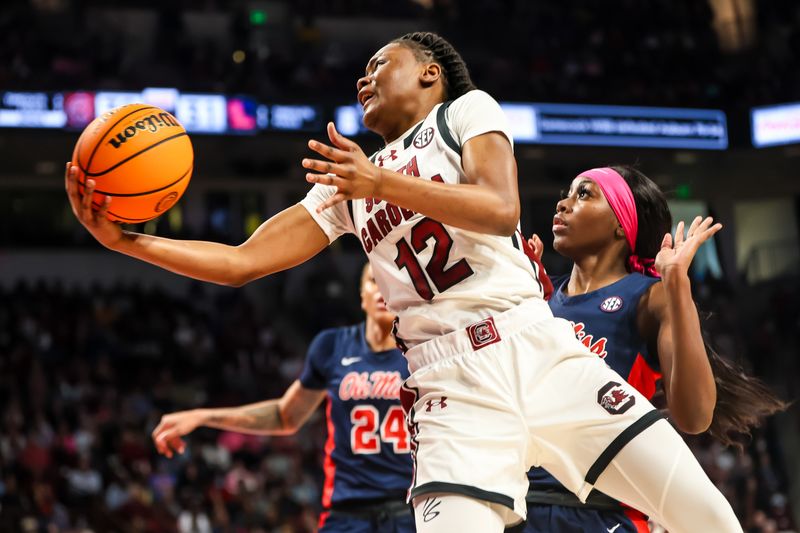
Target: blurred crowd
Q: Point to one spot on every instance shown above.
(85, 375)
(648, 52)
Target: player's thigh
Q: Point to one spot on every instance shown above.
(658, 474)
(449, 513)
(468, 436)
(559, 519)
(339, 523)
(575, 414)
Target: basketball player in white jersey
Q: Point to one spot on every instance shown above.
(497, 383)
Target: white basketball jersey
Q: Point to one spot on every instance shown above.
(437, 278)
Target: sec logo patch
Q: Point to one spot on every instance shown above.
(423, 138)
(611, 304)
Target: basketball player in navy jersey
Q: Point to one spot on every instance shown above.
(358, 370)
(629, 301)
(437, 213)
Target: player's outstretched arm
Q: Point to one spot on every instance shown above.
(688, 378)
(283, 416)
(285, 240)
(487, 203)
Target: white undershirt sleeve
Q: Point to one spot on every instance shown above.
(334, 221)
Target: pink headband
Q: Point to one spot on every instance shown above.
(620, 198)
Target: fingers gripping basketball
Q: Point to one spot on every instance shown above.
(140, 156)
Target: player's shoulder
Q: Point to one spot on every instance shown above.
(475, 100)
(333, 338)
(639, 283)
(475, 95)
(324, 343)
(630, 294)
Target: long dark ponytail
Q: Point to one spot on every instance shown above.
(742, 400)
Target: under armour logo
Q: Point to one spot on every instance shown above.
(441, 404)
(429, 511)
(391, 157)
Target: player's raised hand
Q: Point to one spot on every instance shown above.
(106, 232)
(677, 253)
(167, 434)
(349, 169)
(537, 246)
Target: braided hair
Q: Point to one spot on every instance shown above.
(428, 46)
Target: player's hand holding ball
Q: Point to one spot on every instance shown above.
(106, 232)
(129, 165)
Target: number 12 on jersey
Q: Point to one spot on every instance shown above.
(442, 277)
(369, 431)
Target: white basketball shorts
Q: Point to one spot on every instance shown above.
(515, 390)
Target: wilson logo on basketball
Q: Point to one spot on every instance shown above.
(423, 138)
(614, 399)
(166, 202)
(151, 123)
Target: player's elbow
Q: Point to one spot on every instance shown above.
(695, 422)
(695, 427)
(289, 424)
(239, 270)
(289, 430)
(507, 229)
(237, 281)
(507, 220)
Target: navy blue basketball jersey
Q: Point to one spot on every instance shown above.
(367, 454)
(605, 321)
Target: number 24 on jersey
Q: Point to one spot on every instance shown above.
(369, 431)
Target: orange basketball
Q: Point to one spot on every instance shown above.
(139, 155)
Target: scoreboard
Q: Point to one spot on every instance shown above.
(531, 123)
(198, 112)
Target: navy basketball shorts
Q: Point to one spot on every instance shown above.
(344, 523)
(562, 519)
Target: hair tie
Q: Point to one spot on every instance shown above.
(644, 265)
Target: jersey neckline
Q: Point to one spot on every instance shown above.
(566, 299)
(362, 331)
(409, 132)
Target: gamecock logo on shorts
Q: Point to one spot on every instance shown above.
(483, 333)
(614, 399)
